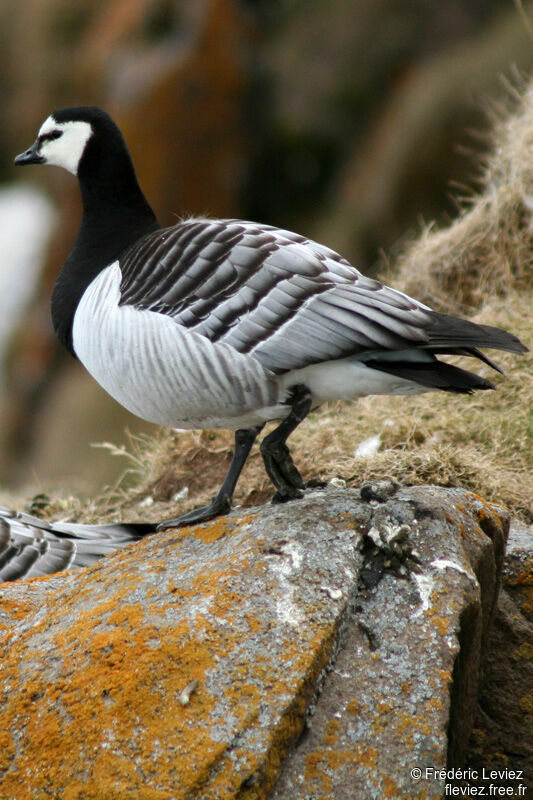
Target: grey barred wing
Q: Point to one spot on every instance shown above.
(31, 547)
(284, 299)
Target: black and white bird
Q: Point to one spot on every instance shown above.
(226, 323)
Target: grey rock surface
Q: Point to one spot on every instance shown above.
(402, 693)
(247, 658)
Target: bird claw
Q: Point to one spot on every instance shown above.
(285, 498)
(218, 506)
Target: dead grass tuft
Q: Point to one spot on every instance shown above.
(487, 251)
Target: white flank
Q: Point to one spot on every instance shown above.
(345, 378)
(163, 372)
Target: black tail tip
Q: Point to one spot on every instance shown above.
(514, 345)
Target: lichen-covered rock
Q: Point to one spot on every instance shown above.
(402, 692)
(517, 571)
(189, 665)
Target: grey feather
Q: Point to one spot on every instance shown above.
(286, 300)
(31, 547)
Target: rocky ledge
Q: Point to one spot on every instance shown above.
(328, 648)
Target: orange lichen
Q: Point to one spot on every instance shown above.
(211, 532)
(353, 707)
(441, 623)
(84, 698)
(409, 722)
(322, 764)
(366, 755)
(390, 788)
(216, 529)
(526, 606)
(482, 510)
(383, 707)
(7, 750)
(525, 651)
(331, 734)
(434, 704)
(336, 758)
(253, 623)
(314, 771)
(527, 703)
(16, 609)
(445, 675)
(125, 639)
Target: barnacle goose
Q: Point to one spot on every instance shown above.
(226, 323)
(30, 547)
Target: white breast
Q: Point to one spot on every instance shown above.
(164, 373)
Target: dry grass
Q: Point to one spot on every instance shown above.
(487, 250)
(482, 264)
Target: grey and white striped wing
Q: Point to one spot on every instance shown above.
(31, 547)
(273, 294)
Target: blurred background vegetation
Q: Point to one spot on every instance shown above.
(353, 122)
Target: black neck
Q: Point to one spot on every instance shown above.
(115, 214)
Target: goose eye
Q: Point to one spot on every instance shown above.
(55, 134)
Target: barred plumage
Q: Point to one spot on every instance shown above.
(31, 547)
(241, 283)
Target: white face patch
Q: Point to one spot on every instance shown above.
(64, 150)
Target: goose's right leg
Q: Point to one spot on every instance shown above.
(279, 465)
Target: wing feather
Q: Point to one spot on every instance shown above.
(282, 298)
(31, 547)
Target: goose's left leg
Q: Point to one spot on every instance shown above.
(221, 502)
(279, 465)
